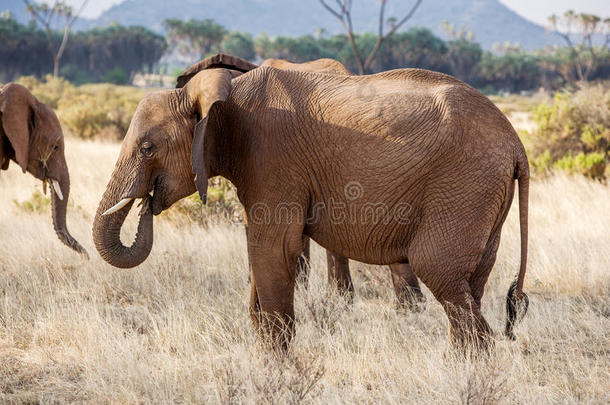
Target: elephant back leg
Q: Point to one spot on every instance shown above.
(444, 254)
(406, 286)
(303, 263)
(338, 274)
(481, 273)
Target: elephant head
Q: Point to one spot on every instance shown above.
(31, 135)
(163, 154)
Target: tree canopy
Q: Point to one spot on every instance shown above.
(116, 53)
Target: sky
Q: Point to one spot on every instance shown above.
(538, 10)
(534, 10)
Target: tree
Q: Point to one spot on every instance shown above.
(23, 50)
(343, 12)
(47, 16)
(91, 55)
(417, 47)
(463, 52)
(110, 49)
(238, 44)
(509, 68)
(583, 54)
(194, 36)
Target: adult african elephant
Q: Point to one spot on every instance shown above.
(406, 286)
(30, 135)
(433, 155)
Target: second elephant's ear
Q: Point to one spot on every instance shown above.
(17, 107)
(205, 89)
(235, 64)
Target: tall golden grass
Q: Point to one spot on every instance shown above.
(176, 329)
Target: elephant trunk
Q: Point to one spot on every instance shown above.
(60, 191)
(107, 232)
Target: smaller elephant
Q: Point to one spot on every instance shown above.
(31, 136)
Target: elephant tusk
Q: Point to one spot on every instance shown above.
(117, 207)
(57, 189)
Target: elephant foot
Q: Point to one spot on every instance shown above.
(411, 300)
(302, 272)
(303, 266)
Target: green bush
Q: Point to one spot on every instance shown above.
(83, 115)
(574, 132)
(50, 90)
(38, 202)
(115, 76)
(86, 111)
(590, 164)
(116, 103)
(222, 206)
(76, 75)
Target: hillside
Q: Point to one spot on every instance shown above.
(489, 20)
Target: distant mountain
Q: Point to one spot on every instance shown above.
(489, 20)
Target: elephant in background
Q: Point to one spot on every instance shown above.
(323, 65)
(434, 152)
(31, 136)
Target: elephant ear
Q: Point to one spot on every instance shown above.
(17, 108)
(220, 60)
(4, 146)
(205, 89)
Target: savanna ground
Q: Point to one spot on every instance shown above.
(176, 329)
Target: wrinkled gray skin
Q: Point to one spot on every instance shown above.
(406, 286)
(31, 136)
(437, 154)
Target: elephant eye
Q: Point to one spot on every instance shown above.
(146, 149)
(55, 147)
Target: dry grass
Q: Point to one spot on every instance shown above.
(176, 329)
(520, 108)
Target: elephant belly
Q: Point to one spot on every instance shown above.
(375, 233)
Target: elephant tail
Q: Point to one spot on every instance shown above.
(517, 301)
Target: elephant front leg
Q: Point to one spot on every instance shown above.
(406, 286)
(272, 293)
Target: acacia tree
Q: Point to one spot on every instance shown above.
(47, 16)
(584, 54)
(463, 52)
(194, 36)
(343, 12)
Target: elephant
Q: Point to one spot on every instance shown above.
(31, 136)
(432, 161)
(323, 65)
(406, 286)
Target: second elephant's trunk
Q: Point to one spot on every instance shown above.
(59, 215)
